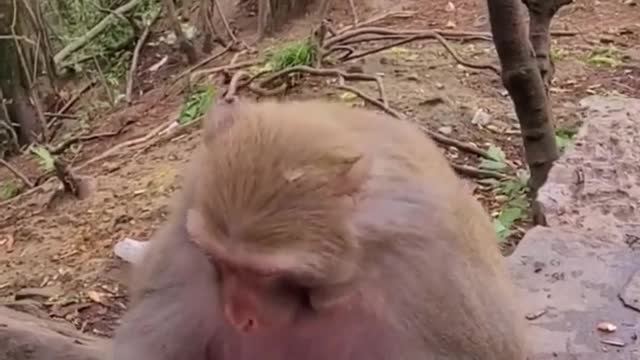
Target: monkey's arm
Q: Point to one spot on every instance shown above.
(173, 315)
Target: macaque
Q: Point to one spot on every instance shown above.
(312, 230)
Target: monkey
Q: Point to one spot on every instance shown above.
(311, 229)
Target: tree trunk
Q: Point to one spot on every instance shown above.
(26, 337)
(282, 11)
(17, 80)
(522, 78)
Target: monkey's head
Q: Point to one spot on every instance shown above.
(276, 187)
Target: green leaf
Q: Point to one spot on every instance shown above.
(509, 215)
(492, 164)
(45, 159)
(496, 153)
(500, 229)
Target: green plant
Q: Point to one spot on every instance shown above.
(44, 157)
(8, 189)
(70, 20)
(514, 208)
(294, 53)
(196, 104)
(605, 56)
(564, 136)
(498, 159)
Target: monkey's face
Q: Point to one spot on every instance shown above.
(265, 287)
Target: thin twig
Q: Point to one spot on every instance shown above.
(425, 35)
(228, 67)
(375, 19)
(103, 80)
(435, 136)
(203, 62)
(62, 147)
(17, 37)
(317, 72)
(478, 173)
(17, 173)
(467, 147)
(60, 115)
(354, 13)
(223, 17)
(136, 55)
(125, 144)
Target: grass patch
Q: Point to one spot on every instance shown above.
(9, 189)
(605, 57)
(564, 137)
(197, 103)
(295, 53)
(43, 156)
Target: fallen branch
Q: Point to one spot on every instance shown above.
(234, 84)
(478, 173)
(125, 144)
(62, 147)
(435, 136)
(215, 70)
(317, 72)
(468, 147)
(17, 173)
(425, 35)
(375, 19)
(68, 105)
(95, 31)
(136, 55)
(203, 62)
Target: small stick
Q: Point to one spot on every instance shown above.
(375, 19)
(435, 136)
(136, 55)
(317, 72)
(228, 67)
(17, 173)
(478, 173)
(103, 80)
(62, 147)
(203, 62)
(354, 13)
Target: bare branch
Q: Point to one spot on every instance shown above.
(136, 55)
(17, 173)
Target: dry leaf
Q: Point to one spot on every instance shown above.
(97, 297)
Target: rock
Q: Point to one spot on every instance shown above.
(24, 336)
(582, 271)
(594, 186)
(577, 289)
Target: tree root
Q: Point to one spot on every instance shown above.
(136, 54)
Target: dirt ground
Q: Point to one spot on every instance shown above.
(57, 257)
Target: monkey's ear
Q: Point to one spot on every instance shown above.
(352, 175)
(219, 118)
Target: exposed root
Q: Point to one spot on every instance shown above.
(17, 173)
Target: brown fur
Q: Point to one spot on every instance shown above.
(360, 212)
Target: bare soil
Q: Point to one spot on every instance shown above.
(56, 258)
